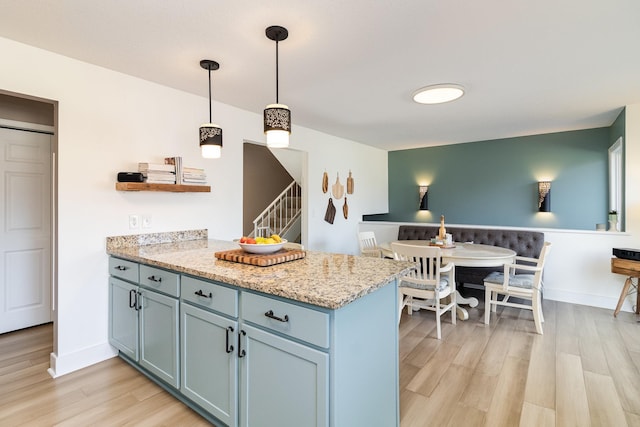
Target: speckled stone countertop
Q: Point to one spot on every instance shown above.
(322, 279)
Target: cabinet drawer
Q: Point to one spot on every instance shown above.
(293, 320)
(127, 270)
(210, 296)
(160, 280)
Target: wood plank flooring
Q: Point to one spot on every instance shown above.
(584, 371)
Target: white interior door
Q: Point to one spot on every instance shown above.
(25, 237)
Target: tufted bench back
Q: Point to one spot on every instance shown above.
(524, 243)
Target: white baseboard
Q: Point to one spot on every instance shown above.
(586, 299)
(63, 364)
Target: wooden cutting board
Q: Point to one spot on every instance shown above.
(261, 260)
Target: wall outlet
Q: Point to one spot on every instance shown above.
(146, 221)
(134, 222)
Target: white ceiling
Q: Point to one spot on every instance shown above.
(349, 68)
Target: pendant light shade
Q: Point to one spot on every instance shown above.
(210, 133)
(277, 117)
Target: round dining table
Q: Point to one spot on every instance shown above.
(464, 255)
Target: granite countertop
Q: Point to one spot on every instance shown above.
(322, 279)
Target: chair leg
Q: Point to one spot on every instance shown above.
(537, 312)
(453, 308)
(487, 305)
(438, 307)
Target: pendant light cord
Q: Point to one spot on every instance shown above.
(209, 93)
(277, 73)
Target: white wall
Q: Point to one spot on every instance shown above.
(579, 266)
(108, 122)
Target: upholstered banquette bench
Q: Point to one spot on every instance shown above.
(524, 243)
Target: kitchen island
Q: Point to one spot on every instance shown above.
(308, 342)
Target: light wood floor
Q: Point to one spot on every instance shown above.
(584, 371)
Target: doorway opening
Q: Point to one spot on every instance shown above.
(28, 165)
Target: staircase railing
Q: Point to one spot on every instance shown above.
(281, 214)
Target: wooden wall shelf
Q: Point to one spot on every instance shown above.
(175, 188)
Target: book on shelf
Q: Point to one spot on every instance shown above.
(155, 167)
(159, 176)
(177, 163)
(194, 181)
(187, 175)
(159, 181)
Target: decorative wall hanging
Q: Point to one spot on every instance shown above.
(330, 215)
(325, 182)
(350, 184)
(337, 189)
(345, 209)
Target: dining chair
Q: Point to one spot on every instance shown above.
(368, 245)
(429, 285)
(518, 280)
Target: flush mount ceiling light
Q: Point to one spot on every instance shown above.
(277, 117)
(438, 94)
(210, 134)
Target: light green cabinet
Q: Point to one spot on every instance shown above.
(283, 383)
(159, 336)
(242, 358)
(123, 317)
(143, 323)
(209, 362)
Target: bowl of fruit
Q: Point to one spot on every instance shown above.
(261, 245)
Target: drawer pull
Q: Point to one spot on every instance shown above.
(121, 267)
(202, 294)
(155, 279)
(270, 315)
(229, 347)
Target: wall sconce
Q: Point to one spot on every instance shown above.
(424, 198)
(544, 196)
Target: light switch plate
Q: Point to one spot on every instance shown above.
(134, 222)
(146, 221)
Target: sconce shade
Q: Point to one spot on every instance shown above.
(210, 134)
(277, 117)
(424, 198)
(544, 196)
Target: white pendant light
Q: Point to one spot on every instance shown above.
(277, 117)
(210, 133)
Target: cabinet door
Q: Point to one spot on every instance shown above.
(209, 362)
(282, 383)
(159, 336)
(123, 317)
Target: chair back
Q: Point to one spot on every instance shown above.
(426, 258)
(368, 244)
(516, 269)
(542, 259)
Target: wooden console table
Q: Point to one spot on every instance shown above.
(631, 269)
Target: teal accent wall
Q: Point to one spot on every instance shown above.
(496, 182)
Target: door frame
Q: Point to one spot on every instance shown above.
(53, 131)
